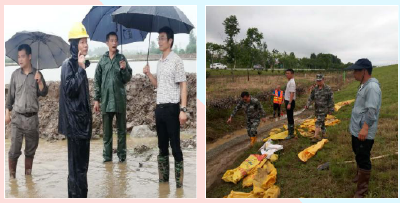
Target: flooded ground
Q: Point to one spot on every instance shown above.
(137, 178)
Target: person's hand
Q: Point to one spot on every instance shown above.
(306, 107)
(38, 77)
(229, 120)
(8, 118)
(81, 60)
(146, 69)
(264, 120)
(363, 133)
(96, 106)
(182, 118)
(122, 64)
(288, 107)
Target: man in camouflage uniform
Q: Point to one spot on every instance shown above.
(322, 95)
(254, 112)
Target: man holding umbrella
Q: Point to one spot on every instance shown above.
(26, 85)
(75, 116)
(112, 73)
(171, 91)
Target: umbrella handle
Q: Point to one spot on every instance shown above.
(148, 50)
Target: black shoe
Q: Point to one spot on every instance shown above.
(121, 160)
(106, 160)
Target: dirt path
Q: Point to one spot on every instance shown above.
(223, 153)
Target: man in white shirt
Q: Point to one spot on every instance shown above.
(290, 97)
(171, 91)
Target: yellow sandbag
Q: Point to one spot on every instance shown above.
(264, 178)
(311, 151)
(278, 136)
(274, 157)
(235, 175)
(248, 180)
(272, 192)
(285, 126)
(235, 194)
(342, 104)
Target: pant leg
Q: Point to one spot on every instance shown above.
(254, 123)
(248, 127)
(107, 136)
(173, 129)
(121, 131)
(289, 112)
(16, 138)
(275, 108)
(32, 138)
(363, 155)
(78, 164)
(279, 110)
(161, 128)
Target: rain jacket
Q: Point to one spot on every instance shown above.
(110, 83)
(75, 115)
(366, 108)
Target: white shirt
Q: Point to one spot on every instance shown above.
(290, 87)
(170, 73)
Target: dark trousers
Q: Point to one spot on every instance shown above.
(78, 164)
(362, 150)
(289, 112)
(108, 135)
(277, 109)
(168, 130)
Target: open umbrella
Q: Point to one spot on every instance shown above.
(152, 18)
(48, 51)
(98, 23)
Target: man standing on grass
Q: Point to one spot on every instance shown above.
(322, 95)
(254, 111)
(364, 122)
(290, 97)
(171, 105)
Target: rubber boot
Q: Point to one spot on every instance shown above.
(362, 184)
(316, 137)
(252, 141)
(163, 168)
(179, 174)
(355, 179)
(12, 167)
(28, 166)
(290, 132)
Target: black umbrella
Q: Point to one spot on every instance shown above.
(152, 18)
(98, 23)
(48, 51)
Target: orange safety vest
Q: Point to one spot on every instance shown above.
(278, 97)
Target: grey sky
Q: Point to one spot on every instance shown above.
(350, 32)
(58, 20)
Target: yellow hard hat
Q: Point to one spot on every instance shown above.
(77, 31)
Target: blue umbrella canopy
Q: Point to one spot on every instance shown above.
(152, 18)
(98, 23)
(48, 51)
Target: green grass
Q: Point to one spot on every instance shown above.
(297, 179)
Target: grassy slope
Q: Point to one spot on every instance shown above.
(298, 179)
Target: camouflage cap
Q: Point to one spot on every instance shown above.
(319, 77)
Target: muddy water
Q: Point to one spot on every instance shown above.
(116, 180)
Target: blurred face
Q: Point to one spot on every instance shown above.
(112, 43)
(358, 74)
(163, 42)
(83, 46)
(320, 82)
(24, 60)
(246, 99)
(278, 87)
(288, 74)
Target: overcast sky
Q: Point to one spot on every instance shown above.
(58, 20)
(350, 32)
